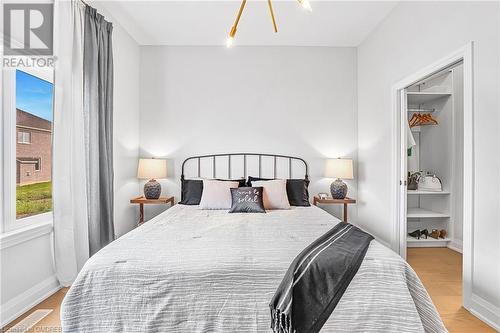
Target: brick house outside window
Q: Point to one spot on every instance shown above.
(34, 149)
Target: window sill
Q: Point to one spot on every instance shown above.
(25, 234)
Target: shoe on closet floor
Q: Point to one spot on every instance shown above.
(424, 233)
(415, 234)
(435, 234)
(442, 233)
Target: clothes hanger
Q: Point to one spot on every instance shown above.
(429, 120)
(414, 120)
(422, 119)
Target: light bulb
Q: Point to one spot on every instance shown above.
(306, 5)
(229, 42)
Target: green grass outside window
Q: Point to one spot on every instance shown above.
(33, 199)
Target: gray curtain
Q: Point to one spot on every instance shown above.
(98, 118)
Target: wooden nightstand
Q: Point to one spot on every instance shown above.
(143, 201)
(345, 202)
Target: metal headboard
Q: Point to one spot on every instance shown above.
(275, 157)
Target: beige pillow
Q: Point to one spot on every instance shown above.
(275, 196)
(216, 194)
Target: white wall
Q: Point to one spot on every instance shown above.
(289, 100)
(125, 129)
(27, 273)
(413, 36)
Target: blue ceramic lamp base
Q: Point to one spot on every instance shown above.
(338, 189)
(152, 190)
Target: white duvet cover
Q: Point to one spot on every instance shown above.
(192, 270)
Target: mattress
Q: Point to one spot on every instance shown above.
(192, 270)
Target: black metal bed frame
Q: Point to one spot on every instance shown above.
(229, 155)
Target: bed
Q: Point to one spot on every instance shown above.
(192, 270)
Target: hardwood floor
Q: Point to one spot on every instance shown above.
(440, 270)
(49, 324)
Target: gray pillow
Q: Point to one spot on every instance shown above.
(247, 200)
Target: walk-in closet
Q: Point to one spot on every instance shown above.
(434, 203)
(434, 112)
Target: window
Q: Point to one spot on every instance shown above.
(27, 128)
(23, 137)
(34, 111)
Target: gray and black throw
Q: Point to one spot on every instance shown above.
(317, 279)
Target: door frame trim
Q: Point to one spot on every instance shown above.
(398, 240)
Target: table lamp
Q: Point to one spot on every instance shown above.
(152, 169)
(339, 168)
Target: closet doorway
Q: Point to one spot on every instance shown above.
(434, 161)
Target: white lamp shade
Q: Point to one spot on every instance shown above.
(152, 168)
(339, 168)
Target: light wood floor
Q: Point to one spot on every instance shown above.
(440, 270)
(50, 323)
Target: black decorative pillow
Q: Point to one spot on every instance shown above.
(191, 190)
(296, 190)
(247, 200)
(255, 179)
(298, 194)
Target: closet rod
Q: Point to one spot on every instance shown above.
(420, 110)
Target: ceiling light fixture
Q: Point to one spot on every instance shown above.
(306, 5)
(229, 42)
(230, 39)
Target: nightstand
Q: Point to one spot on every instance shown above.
(143, 201)
(327, 201)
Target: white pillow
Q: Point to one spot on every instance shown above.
(216, 194)
(275, 196)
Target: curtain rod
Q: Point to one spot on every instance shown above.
(107, 19)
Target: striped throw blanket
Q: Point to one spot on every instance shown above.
(317, 279)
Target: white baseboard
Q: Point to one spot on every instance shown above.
(485, 311)
(455, 245)
(28, 299)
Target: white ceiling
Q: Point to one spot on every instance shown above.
(331, 23)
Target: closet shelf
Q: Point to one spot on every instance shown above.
(424, 97)
(428, 239)
(415, 213)
(429, 242)
(417, 192)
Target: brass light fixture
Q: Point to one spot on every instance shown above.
(229, 42)
(306, 5)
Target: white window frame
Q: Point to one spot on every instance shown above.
(8, 152)
(39, 162)
(23, 137)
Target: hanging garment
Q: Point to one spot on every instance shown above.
(410, 140)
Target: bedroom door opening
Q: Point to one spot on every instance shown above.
(433, 109)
